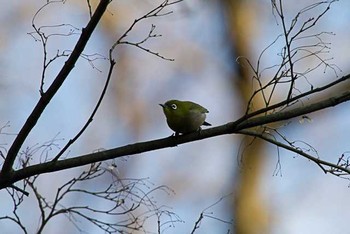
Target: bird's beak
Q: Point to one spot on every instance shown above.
(162, 105)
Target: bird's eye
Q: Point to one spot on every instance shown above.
(173, 106)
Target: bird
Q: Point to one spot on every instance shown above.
(184, 116)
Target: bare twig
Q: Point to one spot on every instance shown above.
(334, 168)
(71, 141)
(293, 55)
(209, 214)
(123, 206)
(156, 12)
(17, 199)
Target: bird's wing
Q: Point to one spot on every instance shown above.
(195, 106)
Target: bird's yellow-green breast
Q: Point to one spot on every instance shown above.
(184, 116)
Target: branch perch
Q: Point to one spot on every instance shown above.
(237, 127)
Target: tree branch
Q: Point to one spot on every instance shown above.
(321, 163)
(295, 98)
(48, 95)
(132, 149)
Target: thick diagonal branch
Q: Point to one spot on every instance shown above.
(52, 90)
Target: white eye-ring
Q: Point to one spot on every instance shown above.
(173, 106)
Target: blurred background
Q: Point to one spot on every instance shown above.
(205, 38)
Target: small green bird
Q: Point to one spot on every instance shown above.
(184, 116)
